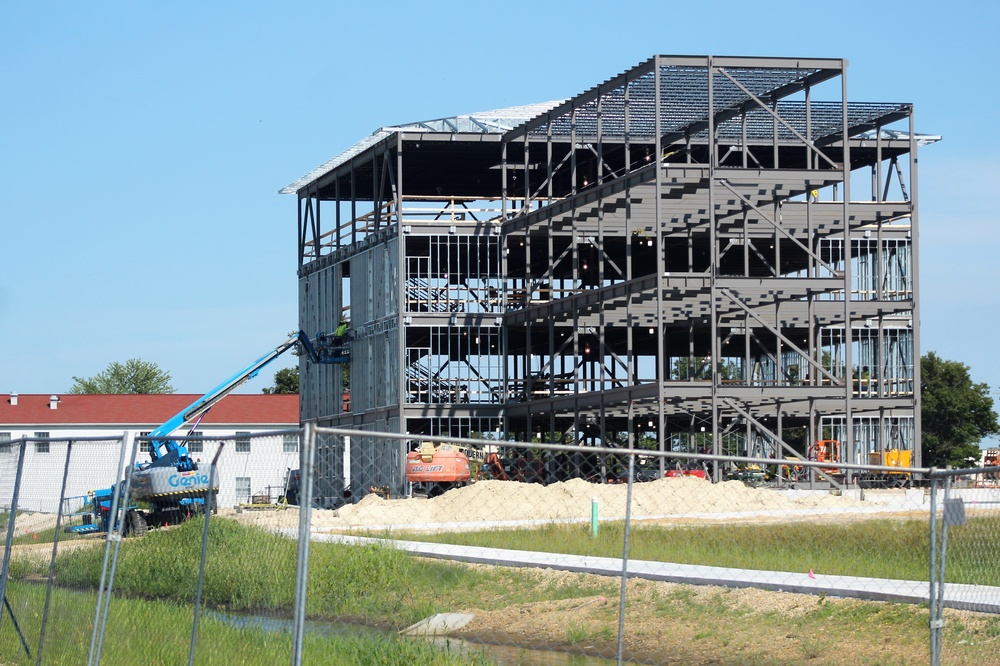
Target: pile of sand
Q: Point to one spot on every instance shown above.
(30, 523)
(489, 503)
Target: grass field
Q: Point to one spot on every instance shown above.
(898, 549)
(251, 570)
(159, 632)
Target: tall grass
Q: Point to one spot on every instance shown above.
(249, 569)
(147, 632)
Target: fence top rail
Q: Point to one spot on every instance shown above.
(93, 438)
(202, 437)
(936, 472)
(650, 453)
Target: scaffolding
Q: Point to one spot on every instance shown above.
(675, 257)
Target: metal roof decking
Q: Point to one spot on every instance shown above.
(496, 121)
(684, 93)
(683, 100)
(825, 120)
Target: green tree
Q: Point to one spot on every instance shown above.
(955, 413)
(132, 376)
(699, 368)
(286, 381)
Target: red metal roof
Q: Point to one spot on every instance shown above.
(250, 409)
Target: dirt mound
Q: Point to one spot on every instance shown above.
(30, 523)
(489, 503)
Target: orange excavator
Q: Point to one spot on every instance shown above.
(436, 468)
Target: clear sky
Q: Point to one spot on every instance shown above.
(143, 144)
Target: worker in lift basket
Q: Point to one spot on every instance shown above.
(339, 337)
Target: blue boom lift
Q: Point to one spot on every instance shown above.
(171, 484)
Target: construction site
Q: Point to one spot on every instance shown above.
(713, 255)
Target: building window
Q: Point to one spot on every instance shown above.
(291, 443)
(144, 444)
(196, 445)
(4, 442)
(242, 442)
(243, 488)
(42, 447)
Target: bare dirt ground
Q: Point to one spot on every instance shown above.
(667, 623)
(31, 524)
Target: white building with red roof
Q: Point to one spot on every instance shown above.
(250, 463)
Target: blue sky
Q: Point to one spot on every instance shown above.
(143, 146)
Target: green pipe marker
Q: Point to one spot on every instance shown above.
(593, 516)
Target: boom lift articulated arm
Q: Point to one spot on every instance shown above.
(164, 451)
(171, 483)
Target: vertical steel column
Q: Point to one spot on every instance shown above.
(319, 223)
(878, 166)
(572, 147)
(548, 160)
(504, 288)
(662, 371)
(774, 133)
(811, 157)
(376, 191)
(600, 140)
(301, 232)
(599, 381)
(337, 213)
(629, 271)
(401, 276)
(626, 111)
(714, 268)
(354, 204)
(503, 183)
(915, 314)
(848, 311)
(743, 140)
(525, 205)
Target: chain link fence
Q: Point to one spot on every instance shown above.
(965, 565)
(546, 553)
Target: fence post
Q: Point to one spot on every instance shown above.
(307, 457)
(55, 551)
(9, 545)
(114, 536)
(209, 507)
(10, 525)
(934, 622)
(625, 544)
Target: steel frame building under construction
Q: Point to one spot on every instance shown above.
(698, 254)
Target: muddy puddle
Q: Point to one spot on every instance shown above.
(504, 655)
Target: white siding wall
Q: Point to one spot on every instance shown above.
(95, 465)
